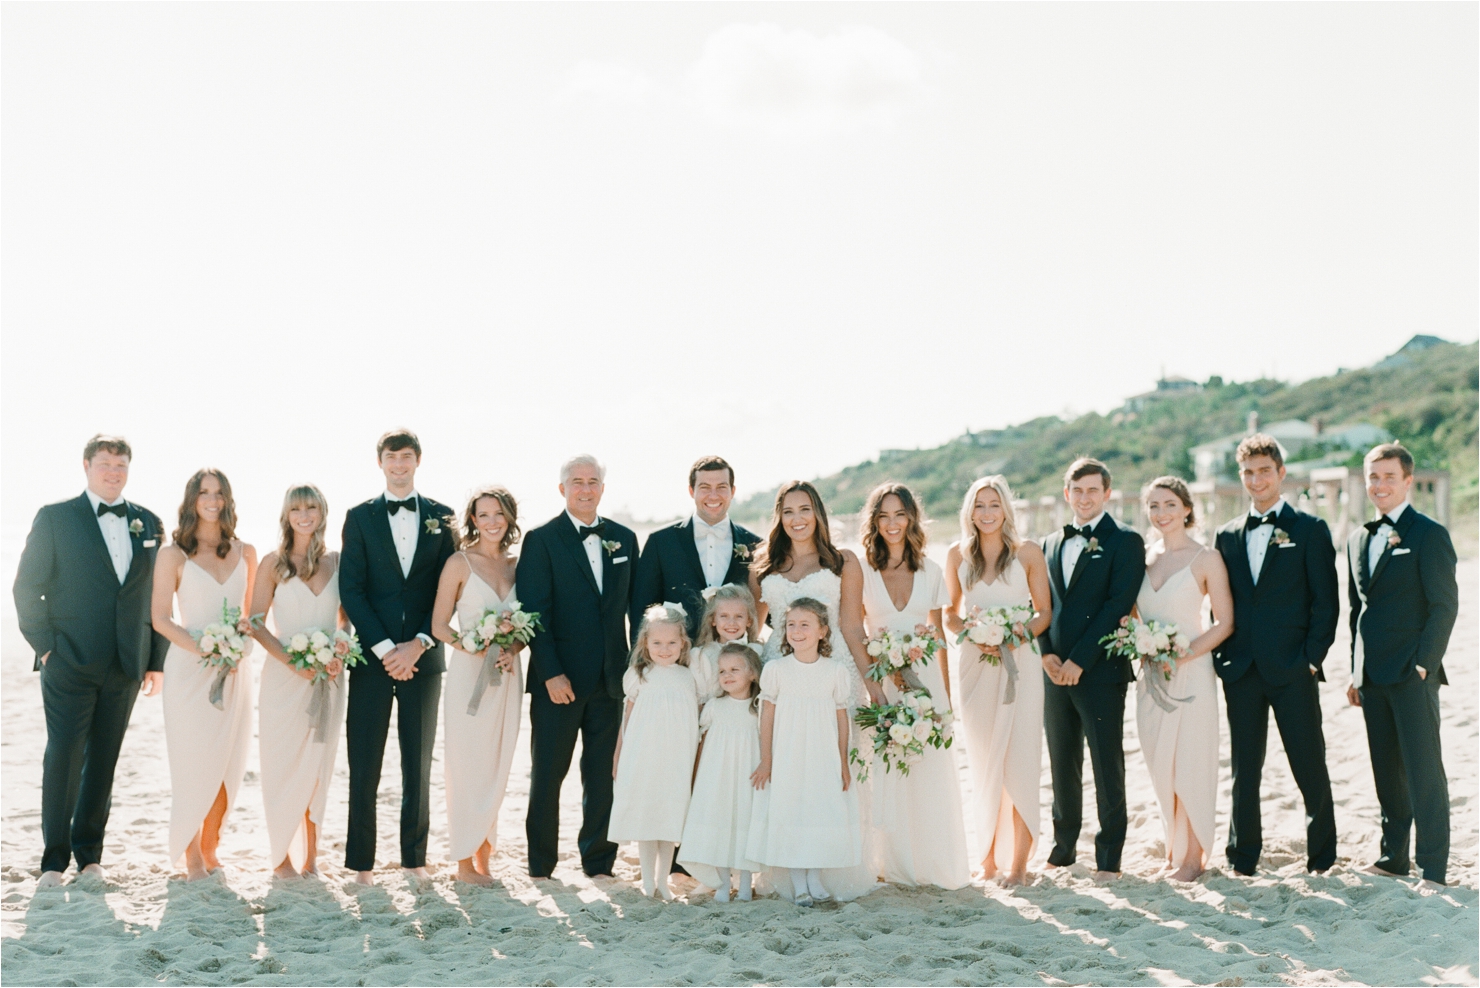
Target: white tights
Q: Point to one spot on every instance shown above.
(722, 894)
(808, 882)
(656, 859)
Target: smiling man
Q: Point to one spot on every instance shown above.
(704, 550)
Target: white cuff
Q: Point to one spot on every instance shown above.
(425, 640)
(382, 647)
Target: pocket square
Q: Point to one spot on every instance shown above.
(149, 543)
(1288, 545)
(619, 559)
(1400, 552)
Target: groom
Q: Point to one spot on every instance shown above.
(1095, 568)
(575, 571)
(82, 594)
(393, 551)
(1282, 573)
(705, 550)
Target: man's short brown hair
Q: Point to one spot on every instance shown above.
(1260, 444)
(709, 463)
(117, 445)
(398, 439)
(1083, 467)
(1391, 451)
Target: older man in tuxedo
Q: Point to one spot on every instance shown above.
(82, 595)
(1403, 597)
(575, 571)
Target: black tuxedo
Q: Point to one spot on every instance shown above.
(670, 570)
(586, 640)
(98, 631)
(1402, 613)
(384, 604)
(1101, 591)
(1282, 626)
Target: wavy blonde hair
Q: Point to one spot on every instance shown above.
(729, 591)
(301, 496)
(971, 550)
(659, 614)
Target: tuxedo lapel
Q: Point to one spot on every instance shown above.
(380, 527)
(736, 542)
(608, 571)
(1085, 554)
(691, 551)
(1364, 576)
(572, 541)
(424, 539)
(1400, 529)
(94, 533)
(1286, 522)
(1056, 561)
(136, 560)
(1241, 558)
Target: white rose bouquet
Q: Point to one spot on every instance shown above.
(899, 732)
(1158, 645)
(896, 651)
(997, 629)
(317, 651)
(497, 630)
(223, 644)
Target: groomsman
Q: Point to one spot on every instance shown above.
(576, 572)
(1095, 567)
(1403, 599)
(394, 548)
(1282, 571)
(82, 595)
(705, 550)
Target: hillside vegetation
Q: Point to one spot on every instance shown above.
(1429, 402)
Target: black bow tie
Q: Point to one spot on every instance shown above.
(586, 531)
(1373, 526)
(1070, 531)
(393, 506)
(1254, 521)
(120, 509)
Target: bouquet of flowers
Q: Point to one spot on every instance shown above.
(496, 630)
(1157, 644)
(996, 629)
(899, 732)
(222, 645)
(896, 651)
(314, 651)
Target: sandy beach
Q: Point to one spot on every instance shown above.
(146, 925)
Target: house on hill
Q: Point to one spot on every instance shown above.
(1167, 387)
(1307, 445)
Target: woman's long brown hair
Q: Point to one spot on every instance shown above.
(184, 534)
(874, 546)
(777, 552)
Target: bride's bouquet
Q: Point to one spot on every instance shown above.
(896, 651)
(1158, 645)
(996, 629)
(496, 630)
(223, 644)
(314, 651)
(899, 732)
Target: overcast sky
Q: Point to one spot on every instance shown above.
(256, 236)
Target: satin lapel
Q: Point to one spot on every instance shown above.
(1285, 521)
(424, 539)
(89, 519)
(1056, 561)
(380, 527)
(743, 564)
(136, 540)
(1084, 554)
(608, 570)
(1404, 524)
(572, 540)
(1240, 566)
(1363, 572)
(691, 551)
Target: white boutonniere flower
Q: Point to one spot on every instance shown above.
(1280, 536)
(742, 552)
(433, 526)
(136, 527)
(610, 547)
(1093, 545)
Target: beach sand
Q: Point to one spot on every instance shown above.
(1281, 927)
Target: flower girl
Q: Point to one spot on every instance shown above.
(808, 820)
(718, 827)
(660, 732)
(729, 616)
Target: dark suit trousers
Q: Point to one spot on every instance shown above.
(367, 723)
(1403, 739)
(87, 711)
(1297, 713)
(1073, 715)
(553, 728)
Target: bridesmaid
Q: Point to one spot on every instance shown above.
(1181, 744)
(207, 566)
(1001, 715)
(299, 583)
(480, 726)
(922, 838)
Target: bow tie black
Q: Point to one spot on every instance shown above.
(598, 530)
(1373, 526)
(1254, 521)
(393, 506)
(120, 509)
(1070, 531)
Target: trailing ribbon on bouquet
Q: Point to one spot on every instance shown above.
(1009, 664)
(1156, 685)
(319, 706)
(489, 675)
(218, 688)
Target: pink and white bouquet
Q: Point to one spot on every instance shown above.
(223, 644)
(1158, 645)
(497, 629)
(315, 650)
(995, 630)
(899, 732)
(897, 651)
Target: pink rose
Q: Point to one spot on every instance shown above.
(1125, 622)
(341, 647)
(916, 653)
(920, 629)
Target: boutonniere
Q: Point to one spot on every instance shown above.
(742, 552)
(1280, 536)
(136, 527)
(1394, 539)
(1093, 545)
(610, 547)
(433, 526)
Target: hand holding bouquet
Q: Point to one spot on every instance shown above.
(994, 630)
(894, 652)
(322, 656)
(222, 645)
(503, 628)
(899, 732)
(1157, 645)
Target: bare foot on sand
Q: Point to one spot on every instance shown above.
(1372, 869)
(1106, 876)
(196, 873)
(1186, 873)
(95, 870)
(311, 872)
(470, 875)
(364, 878)
(285, 870)
(49, 879)
(1016, 878)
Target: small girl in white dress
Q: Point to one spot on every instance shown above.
(729, 616)
(804, 818)
(718, 827)
(660, 733)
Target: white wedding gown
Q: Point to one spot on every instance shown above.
(1181, 745)
(917, 817)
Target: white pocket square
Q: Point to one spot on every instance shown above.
(1288, 545)
(1399, 552)
(148, 543)
(619, 559)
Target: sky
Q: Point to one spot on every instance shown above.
(256, 236)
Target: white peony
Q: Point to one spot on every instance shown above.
(298, 643)
(1161, 641)
(323, 656)
(900, 734)
(319, 639)
(995, 634)
(875, 648)
(1145, 641)
(207, 643)
(922, 730)
(925, 704)
(470, 642)
(978, 634)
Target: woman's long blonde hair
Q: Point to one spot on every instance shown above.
(971, 550)
(301, 496)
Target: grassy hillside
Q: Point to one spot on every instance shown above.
(1429, 402)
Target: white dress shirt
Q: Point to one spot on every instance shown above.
(405, 530)
(1256, 542)
(1074, 547)
(115, 536)
(1384, 532)
(716, 543)
(592, 545)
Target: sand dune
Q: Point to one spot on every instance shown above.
(1280, 927)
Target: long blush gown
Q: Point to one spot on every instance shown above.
(207, 747)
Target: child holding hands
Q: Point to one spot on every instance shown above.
(654, 760)
(729, 616)
(718, 826)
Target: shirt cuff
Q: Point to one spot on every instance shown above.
(382, 647)
(1312, 668)
(425, 639)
